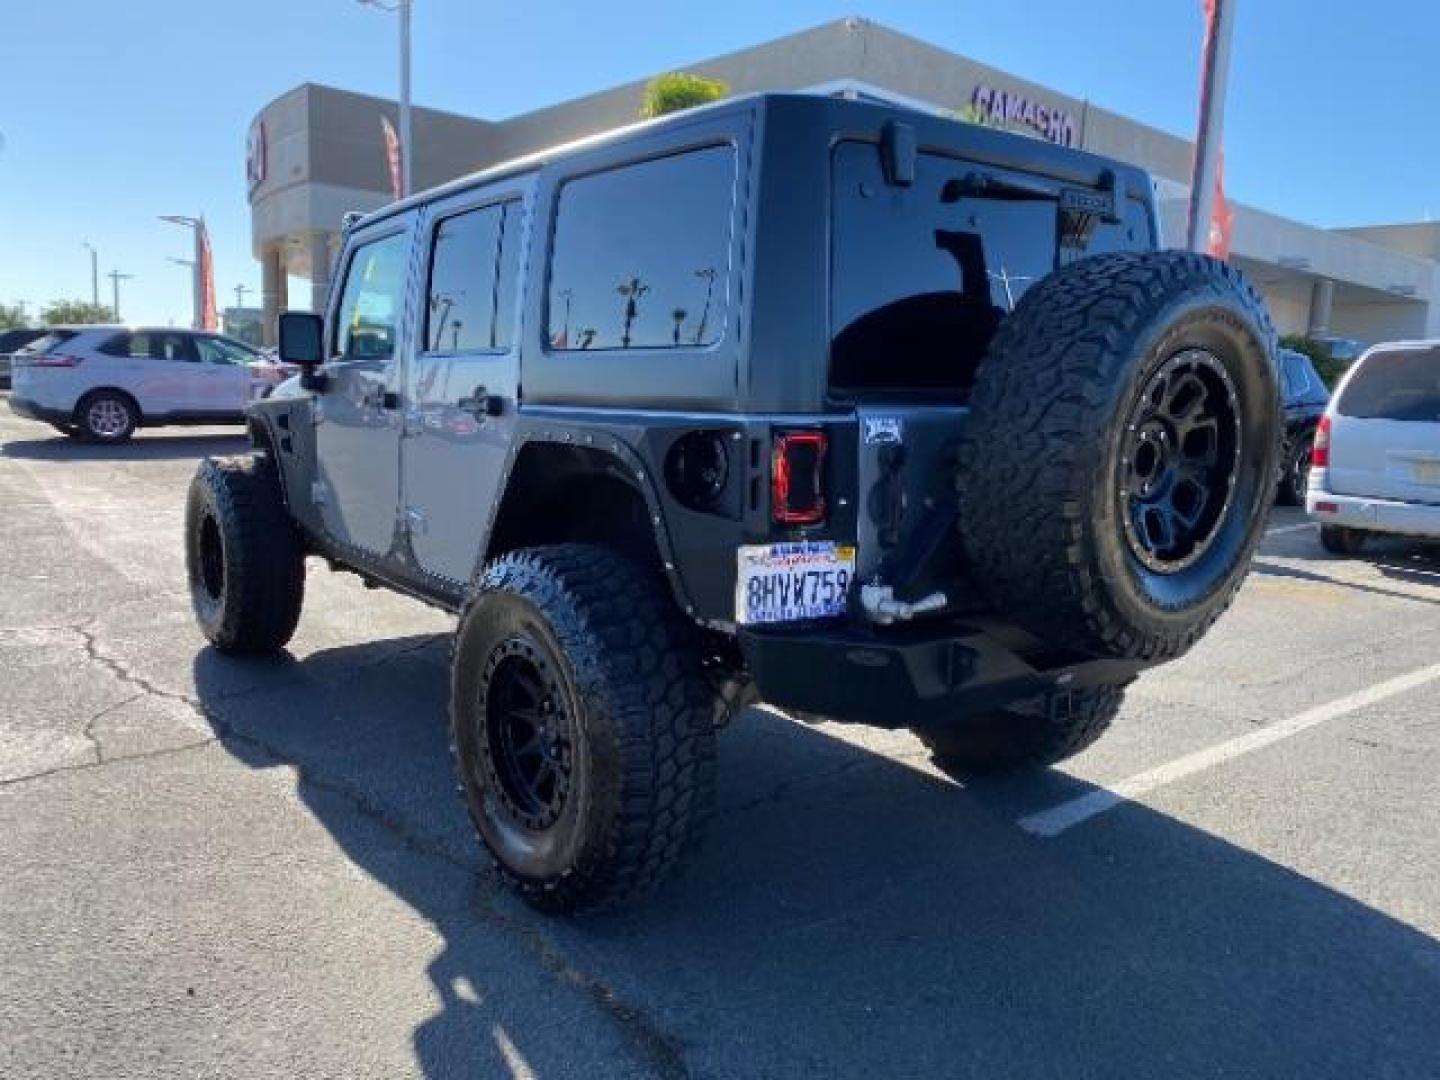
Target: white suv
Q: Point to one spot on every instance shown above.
(102, 382)
(1376, 464)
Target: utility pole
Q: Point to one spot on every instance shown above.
(240, 291)
(94, 273)
(115, 278)
(1214, 76)
(402, 8)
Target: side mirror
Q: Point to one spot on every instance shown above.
(302, 339)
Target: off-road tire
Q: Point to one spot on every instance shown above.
(1339, 540)
(243, 556)
(1042, 499)
(1295, 477)
(627, 669)
(122, 405)
(1029, 734)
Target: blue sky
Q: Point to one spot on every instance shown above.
(113, 113)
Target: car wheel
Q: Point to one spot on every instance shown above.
(107, 416)
(1028, 734)
(243, 555)
(1296, 478)
(1120, 458)
(1339, 540)
(582, 725)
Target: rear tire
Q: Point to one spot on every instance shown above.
(582, 724)
(107, 416)
(243, 555)
(1119, 461)
(1339, 540)
(1029, 734)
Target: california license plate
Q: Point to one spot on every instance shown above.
(787, 582)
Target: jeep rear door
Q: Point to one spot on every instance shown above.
(460, 378)
(357, 419)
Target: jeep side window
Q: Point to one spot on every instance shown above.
(641, 254)
(470, 300)
(368, 318)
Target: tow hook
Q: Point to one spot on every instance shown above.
(881, 606)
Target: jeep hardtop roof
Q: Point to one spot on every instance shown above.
(847, 118)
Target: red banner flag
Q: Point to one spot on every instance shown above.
(1222, 218)
(206, 269)
(392, 154)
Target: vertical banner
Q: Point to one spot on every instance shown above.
(206, 271)
(392, 155)
(1222, 220)
(1209, 225)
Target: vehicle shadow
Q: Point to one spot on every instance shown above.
(145, 446)
(850, 914)
(1397, 559)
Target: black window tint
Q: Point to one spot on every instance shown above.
(368, 319)
(54, 339)
(470, 305)
(1395, 385)
(1292, 380)
(921, 276)
(641, 254)
(119, 345)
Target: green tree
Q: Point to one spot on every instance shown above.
(11, 316)
(76, 311)
(676, 90)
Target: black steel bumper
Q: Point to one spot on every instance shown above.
(911, 676)
(33, 411)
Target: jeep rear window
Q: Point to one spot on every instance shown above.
(641, 254)
(922, 275)
(1394, 384)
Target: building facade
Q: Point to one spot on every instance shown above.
(316, 153)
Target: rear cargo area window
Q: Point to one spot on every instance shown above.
(1395, 385)
(640, 257)
(921, 276)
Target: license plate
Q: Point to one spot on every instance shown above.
(1427, 472)
(787, 582)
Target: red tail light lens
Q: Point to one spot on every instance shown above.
(797, 478)
(1320, 451)
(48, 360)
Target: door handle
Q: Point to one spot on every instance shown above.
(481, 403)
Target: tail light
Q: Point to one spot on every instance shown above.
(797, 478)
(47, 360)
(1320, 449)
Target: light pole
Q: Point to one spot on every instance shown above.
(240, 291)
(402, 8)
(94, 272)
(195, 296)
(115, 278)
(197, 287)
(1214, 76)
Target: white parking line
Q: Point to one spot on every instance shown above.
(1282, 529)
(1066, 815)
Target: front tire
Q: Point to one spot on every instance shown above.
(1029, 734)
(243, 555)
(107, 416)
(582, 726)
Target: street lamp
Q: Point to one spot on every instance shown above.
(116, 277)
(94, 272)
(197, 287)
(195, 298)
(402, 7)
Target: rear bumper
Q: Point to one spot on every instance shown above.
(33, 410)
(1372, 515)
(908, 678)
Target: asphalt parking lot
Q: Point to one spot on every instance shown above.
(212, 867)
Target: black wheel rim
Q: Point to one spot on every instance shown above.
(1180, 461)
(212, 558)
(527, 743)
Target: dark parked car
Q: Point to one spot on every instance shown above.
(1305, 396)
(861, 412)
(12, 341)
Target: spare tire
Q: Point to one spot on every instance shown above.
(1118, 464)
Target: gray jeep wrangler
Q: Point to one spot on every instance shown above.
(863, 413)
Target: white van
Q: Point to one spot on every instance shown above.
(1376, 464)
(102, 382)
